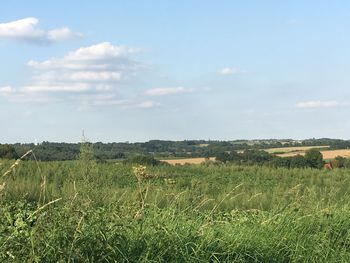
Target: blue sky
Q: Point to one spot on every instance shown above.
(141, 70)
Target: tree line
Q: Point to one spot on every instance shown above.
(53, 151)
(313, 158)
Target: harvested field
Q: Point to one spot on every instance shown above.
(294, 149)
(326, 154)
(187, 161)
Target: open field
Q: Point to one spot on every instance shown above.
(293, 149)
(196, 213)
(330, 154)
(182, 161)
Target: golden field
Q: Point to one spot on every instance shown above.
(331, 154)
(281, 152)
(187, 161)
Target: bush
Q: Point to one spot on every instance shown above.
(143, 160)
(338, 162)
(8, 152)
(298, 161)
(314, 158)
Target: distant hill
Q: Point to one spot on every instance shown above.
(51, 151)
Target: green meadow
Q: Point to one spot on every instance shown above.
(84, 211)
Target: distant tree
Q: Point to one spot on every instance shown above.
(314, 158)
(280, 162)
(223, 157)
(235, 157)
(256, 156)
(347, 163)
(8, 152)
(298, 161)
(143, 160)
(338, 162)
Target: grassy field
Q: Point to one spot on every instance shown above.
(83, 211)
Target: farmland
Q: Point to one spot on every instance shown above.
(113, 212)
(327, 154)
(174, 131)
(294, 149)
(280, 152)
(182, 161)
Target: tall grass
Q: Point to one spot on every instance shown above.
(189, 214)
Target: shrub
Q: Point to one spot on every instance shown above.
(143, 160)
(314, 158)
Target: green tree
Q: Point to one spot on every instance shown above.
(338, 162)
(280, 162)
(256, 156)
(298, 161)
(347, 163)
(8, 152)
(223, 157)
(143, 160)
(314, 158)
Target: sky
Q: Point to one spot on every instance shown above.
(174, 70)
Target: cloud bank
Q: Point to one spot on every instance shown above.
(90, 76)
(95, 68)
(99, 75)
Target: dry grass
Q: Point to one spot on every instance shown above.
(293, 149)
(326, 154)
(187, 161)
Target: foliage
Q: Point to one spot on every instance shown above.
(87, 163)
(8, 152)
(212, 213)
(245, 157)
(143, 160)
(50, 151)
(298, 161)
(338, 162)
(314, 158)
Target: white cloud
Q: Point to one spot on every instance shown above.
(230, 71)
(6, 90)
(95, 76)
(79, 87)
(94, 68)
(318, 104)
(100, 51)
(90, 100)
(27, 30)
(166, 91)
(145, 104)
(94, 100)
(89, 77)
(62, 34)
